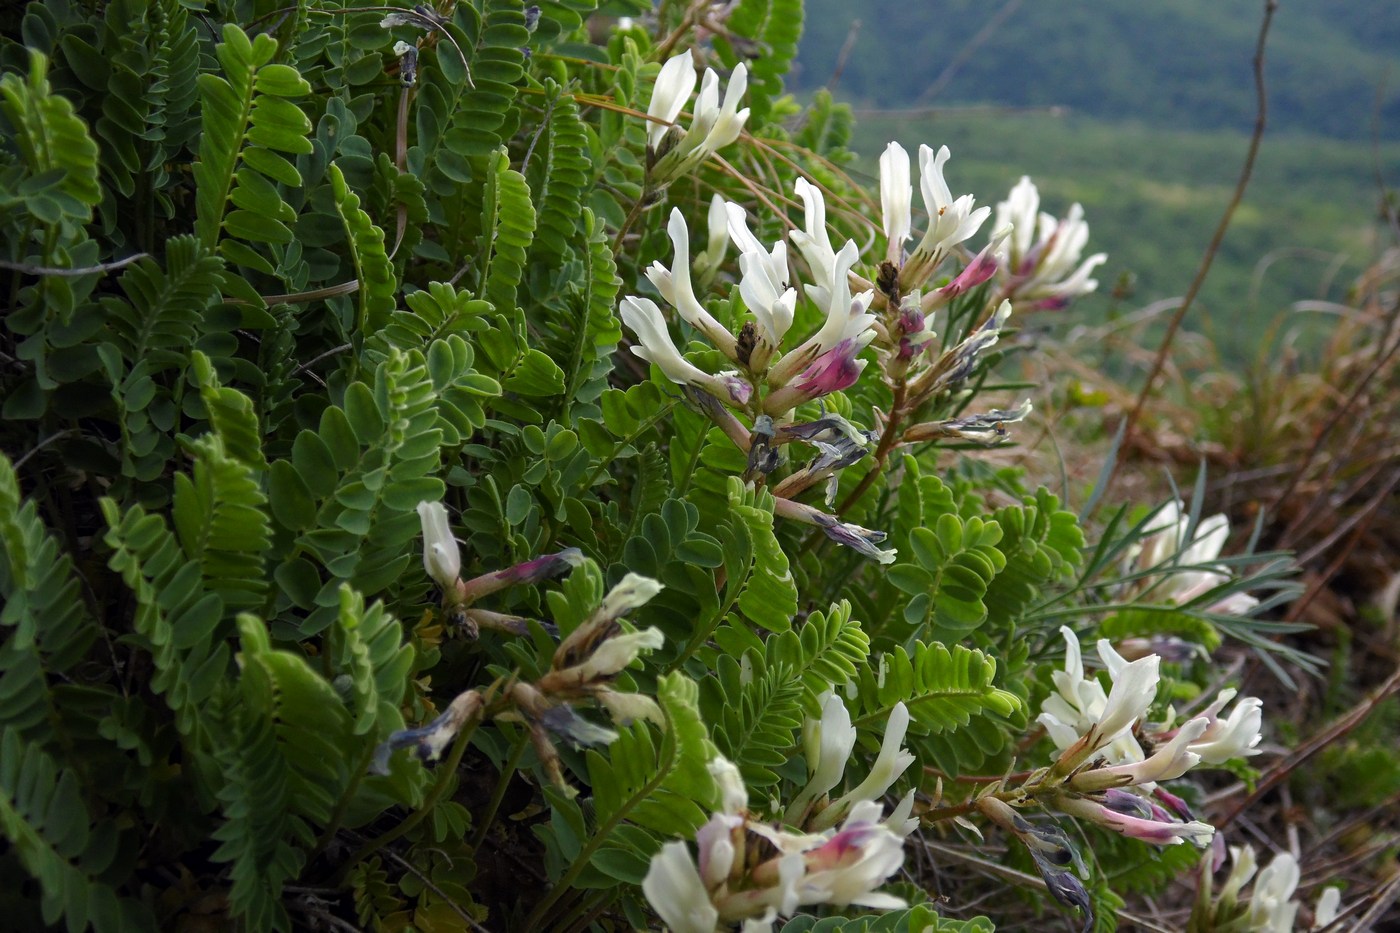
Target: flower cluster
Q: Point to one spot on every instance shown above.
(1041, 255)
(1270, 907)
(1108, 776)
(745, 870)
(673, 152)
(770, 372)
(1183, 559)
(584, 666)
(827, 743)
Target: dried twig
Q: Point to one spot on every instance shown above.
(1260, 121)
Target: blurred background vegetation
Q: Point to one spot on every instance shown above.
(1142, 113)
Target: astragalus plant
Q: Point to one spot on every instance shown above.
(457, 475)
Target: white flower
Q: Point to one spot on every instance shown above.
(674, 285)
(772, 305)
(848, 867)
(1020, 211)
(1080, 704)
(618, 652)
(1243, 865)
(1170, 761)
(441, 556)
(734, 795)
(1233, 737)
(892, 761)
(814, 242)
(827, 743)
(895, 195)
(1328, 903)
(644, 319)
(1167, 543)
(672, 90)
(846, 318)
(676, 892)
(632, 592)
(950, 221)
(1044, 269)
(708, 260)
(1134, 689)
(712, 127)
(1271, 909)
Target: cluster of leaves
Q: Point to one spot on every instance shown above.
(274, 277)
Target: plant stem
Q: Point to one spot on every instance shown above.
(580, 862)
(882, 450)
(446, 772)
(507, 772)
(637, 207)
(343, 804)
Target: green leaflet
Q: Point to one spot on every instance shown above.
(943, 687)
(53, 144)
(221, 519)
(508, 226)
(559, 175)
(770, 597)
(775, 25)
(657, 782)
(249, 126)
(174, 616)
(373, 270)
(45, 822)
(351, 486)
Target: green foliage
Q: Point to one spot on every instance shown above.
(283, 296)
(773, 27)
(43, 816)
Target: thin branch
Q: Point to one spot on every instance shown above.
(1260, 121)
(969, 49)
(27, 269)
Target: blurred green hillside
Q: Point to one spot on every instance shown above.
(1160, 100)
(1178, 63)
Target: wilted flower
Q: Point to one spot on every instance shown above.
(1045, 271)
(863, 540)
(956, 364)
(1158, 832)
(430, 740)
(672, 153)
(1052, 852)
(986, 428)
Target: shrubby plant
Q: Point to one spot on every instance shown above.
(405, 527)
